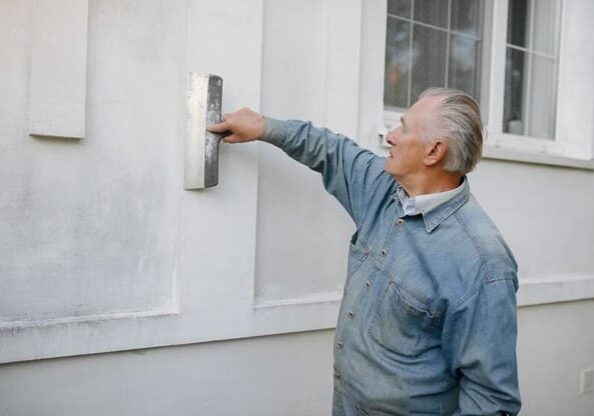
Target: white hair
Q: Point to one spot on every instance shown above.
(458, 120)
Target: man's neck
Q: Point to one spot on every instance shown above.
(422, 184)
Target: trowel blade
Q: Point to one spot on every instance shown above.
(205, 94)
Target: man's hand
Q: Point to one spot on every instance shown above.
(241, 126)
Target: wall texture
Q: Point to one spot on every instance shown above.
(299, 234)
(278, 375)
(555, 343)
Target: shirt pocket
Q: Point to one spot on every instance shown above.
(402, 323)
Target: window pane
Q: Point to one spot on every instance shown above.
(515, 80)
(433, 12)
(541, 107)
(466, 16)
(518, 23)
(545, 17)
(399, 7)
(464, 62)
(429, 59)
(530, 78)
(397, 63)
(424, 52)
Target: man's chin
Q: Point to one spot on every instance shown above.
(389, 169)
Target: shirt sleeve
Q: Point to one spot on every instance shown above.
(479, 340)
(350, 173)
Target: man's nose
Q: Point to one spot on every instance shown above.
(391, 138)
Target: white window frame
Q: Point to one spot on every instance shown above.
(573, 143)
(567, 143)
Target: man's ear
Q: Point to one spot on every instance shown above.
(436, 152)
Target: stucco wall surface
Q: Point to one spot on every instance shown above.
(545, 213)
(287, 375)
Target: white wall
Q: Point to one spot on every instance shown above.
(544, 212)
(278, 375)
(556, 342)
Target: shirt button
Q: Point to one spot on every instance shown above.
(383, 252)
(368, 284)
(399, 221)
(351, 314)
(339, 344)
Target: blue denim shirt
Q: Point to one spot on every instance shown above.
(427, 323)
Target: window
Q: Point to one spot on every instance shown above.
(531, 68)
(431, 43)
(528, 63)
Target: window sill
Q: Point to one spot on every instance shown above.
(500, 153)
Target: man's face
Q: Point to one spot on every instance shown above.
(408, 150)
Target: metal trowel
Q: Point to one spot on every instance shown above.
(205, 94)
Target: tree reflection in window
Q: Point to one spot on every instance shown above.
(431, 43)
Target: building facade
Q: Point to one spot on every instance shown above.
(123, 293)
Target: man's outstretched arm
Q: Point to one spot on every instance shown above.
(350, 173)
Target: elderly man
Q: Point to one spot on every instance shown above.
(427, 324)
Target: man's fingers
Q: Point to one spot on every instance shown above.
(232, 138)
(241, 126)
(218, 128)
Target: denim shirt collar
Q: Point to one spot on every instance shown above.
(438, 214)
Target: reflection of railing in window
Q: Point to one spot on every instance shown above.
(531, 68)
(431, 44)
